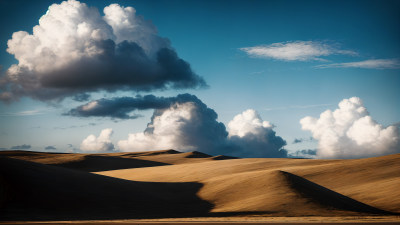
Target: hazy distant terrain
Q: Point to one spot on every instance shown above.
(171, 184)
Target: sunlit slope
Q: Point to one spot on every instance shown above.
(258, 184)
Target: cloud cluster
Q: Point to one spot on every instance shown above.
(50, 148)
(366, 64)
(349, 132)
(296, 51)
(102, 143)
(74, 50)
(187, 124)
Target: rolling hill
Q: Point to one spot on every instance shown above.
(167, 184)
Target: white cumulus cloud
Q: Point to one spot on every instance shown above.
(75, 50)
(186, 126)
(254, 137)
(189, 125)
(102, 143)
(350, 132)
(248, 122)
(366, 64)
(296, 51)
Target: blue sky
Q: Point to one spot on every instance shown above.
(211, 37)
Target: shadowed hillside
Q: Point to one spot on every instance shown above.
(32, 191)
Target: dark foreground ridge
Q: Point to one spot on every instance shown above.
(211, 223)
(32, 191)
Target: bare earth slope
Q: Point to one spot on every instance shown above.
(173, 184)
(254, 185)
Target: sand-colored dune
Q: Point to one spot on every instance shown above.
(373, 181)
(172, 184)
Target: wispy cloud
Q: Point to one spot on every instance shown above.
(76, 126)
(32, 112)
(366, 64)
(296, 51)
(23, 113)
(297, 107)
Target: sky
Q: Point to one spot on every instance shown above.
(243, 78)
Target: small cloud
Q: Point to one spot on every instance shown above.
(21, 147)
(50, 148)
(98, 144)
(366, 64)
(305, 153)
(296, 51)
(71, 148)
(2, 149)
(300, 140)
(255, 137)
(295, 141)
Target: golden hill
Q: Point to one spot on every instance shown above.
(172, 184)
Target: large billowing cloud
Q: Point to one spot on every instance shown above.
(296, 51)
(350, 132)
(74, 50)
(187, 124)
(102, 143)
